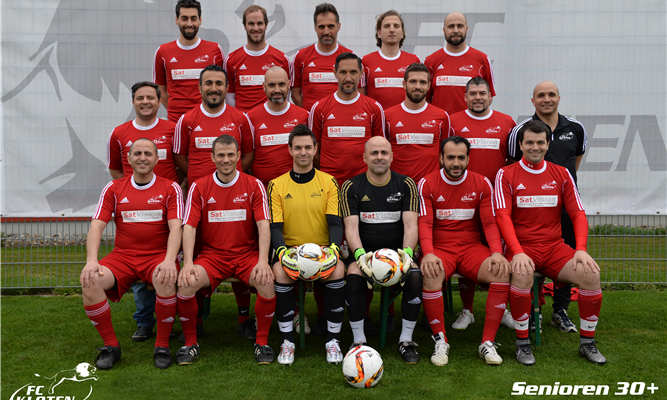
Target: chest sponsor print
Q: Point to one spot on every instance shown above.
(380, 217)
(388, 82)
(322, 77)
(162, 154)
(456, 214)
(449, 80)
(346, 131)
(251, 80)
(141, 216)
(274, 140)
(227, 216)
(204, 142)
(414, 138)
(484, 143)
(536, 201)
(179, 74)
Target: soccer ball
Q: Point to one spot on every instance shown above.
(309, 258)
(386, 267)
(362, 367)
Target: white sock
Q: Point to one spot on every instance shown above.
(358, 331)
(407, 327)
(285, 326)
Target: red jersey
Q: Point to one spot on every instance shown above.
(415, 137)
(178, 67)
(141, 213)
(450, 212)
(312, 71)
(450, 72)
(342, 128)
(384, 76)
(245, 73)
(197, 129)
(161, 132)
(270, 132)
(534, 195)
(488, 140)
(227, 213)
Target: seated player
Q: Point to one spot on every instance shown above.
(453, 203)
(530, 195)
(233, 215)
(380, 210)
(305, 209)
(148, 213)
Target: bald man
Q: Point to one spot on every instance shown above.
(567, 147)
(380, 210)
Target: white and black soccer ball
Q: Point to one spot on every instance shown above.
(362, 367)
(386, 267)
(309, 258)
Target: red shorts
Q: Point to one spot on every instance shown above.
(464, 259)
(549, 261)
(128, 267)
(219, 268)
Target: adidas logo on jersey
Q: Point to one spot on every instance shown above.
(211, 201)
(440, 67)
(173, 60)
(399, 125)
(331, 117)
(365, 198)
(128, 144)
(441, 198)
(312, 64)
(465, 129)
(520, 186)
(198, 129)
(243, 66)
(378, 69)
(289, 196)
(125, 200)
(263, 126)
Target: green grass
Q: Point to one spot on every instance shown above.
(43, 335)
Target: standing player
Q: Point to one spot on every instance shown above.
(148, 212)
(247, 65)
(415, 127)
(530, 195)
(452, 66)
(384, 69)
(380, 210)
(567, 147)
(270, 124)
(344, 121)
(311, 77)
(230, 208)
(453, 204)
(176, 65)
(305, 209)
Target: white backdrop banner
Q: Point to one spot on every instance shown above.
(67, 67)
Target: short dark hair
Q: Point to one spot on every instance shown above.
(347, 56)
(478, 80)
(187, 4)
(254, 8)
(416, 67)
(378, 25)
(141, 84)
(323, 9)
(224, 139)
(534, 126)
(213, 67)
(301, 130)
(455, 140)
(141, 140)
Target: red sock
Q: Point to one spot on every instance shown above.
(165, 311)
(369, 300)
(187, 314)
(435, 310)
(495, 308)
(200, 307)
(520, 307)
(100, 316)
(242, 293)
(318, 292)
(467, 292)
(590, 302)
(264, 310)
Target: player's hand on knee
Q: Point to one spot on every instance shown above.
(431, 266)
(406, 256)
(366, 271)
(165, 273)
(584, 259)
(288, 262)
(87, 277)
(522, 264)
(498, 265)
(262, 274)
(187, 272)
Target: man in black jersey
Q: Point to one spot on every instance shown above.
(380, 210)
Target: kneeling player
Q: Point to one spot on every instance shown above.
(148, 216)
(232, 211)
(380, 211)
(530, 195)
(452, 203)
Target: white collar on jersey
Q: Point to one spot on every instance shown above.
(144, 128)
(225, 185)
(479, 118)
(256, 53)
(208, 114)
(456, 54)
(144, 187)
(533, 171)
(268, 110)
(347, 102)
(421, 110)
(396, 57)
(325, 54)
(182, 47)
(460, 181)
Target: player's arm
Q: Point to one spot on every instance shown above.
(160, 76)
(116, 173)
(498, 264)
(191, 218)
(575, 210)
(181, 162)
(262, 272)
(164, 95)
(378, 121)
(577, 161)
(114, 156)
(167, 268)
(430, 265)
(297, 96)
(246, 161)
(334, 216)
(315, 123)
(410, 213)
(93, 240)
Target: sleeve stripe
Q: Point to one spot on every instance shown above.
(493, 206)
(270, 194)
(414, 196)
(500, 199)
(576, 192)
(382, 116)
(252, 129)
(512, 144)
(188, 203)
(585, 144)
(177, 135)
(265, 202)
(422, 208)
(344, 204)
(154, 61)
(109, 150)
(96, 215)
(179, 199)
(311, 115)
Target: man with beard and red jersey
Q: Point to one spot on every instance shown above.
(271, 124)
(415, 127)
(384, 69)
(247, 65)
(311, 77)
(176, 65)
(487, 131)
(453, 203)
(344, 121)
(452, 66)
(529, 198)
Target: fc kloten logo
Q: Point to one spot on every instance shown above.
(64, 385)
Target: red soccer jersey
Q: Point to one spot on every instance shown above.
(142, 213)
(161, 133)
(450, 72)
(415, 138)
(488, 140)
(270, 132)
(535, 196)
(312, 71)
(450, 211)
(227, 214)
(178, 67)
(342, 129)
(196, 131)
(245, 72)
(384, 76)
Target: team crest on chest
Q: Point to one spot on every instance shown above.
(202, 59)
(465, 68)
(228, 127)
(469, 197)
(493, 129)
(395, 197)
(429, 124)
(566, 136)
(360, 117)
(241, 198)
(156, 199)
(549, 185)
